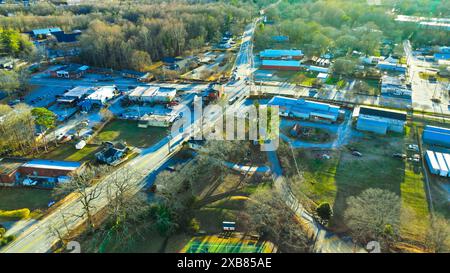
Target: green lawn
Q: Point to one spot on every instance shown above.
(344, 175)
(18, 198)
(123, 130)
(68, 152)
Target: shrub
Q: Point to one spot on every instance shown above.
(194, 225)
(15, 214)
(324, 211)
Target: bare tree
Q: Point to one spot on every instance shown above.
(373, 215)
(268, 214)
(81, 183)
(438, 235)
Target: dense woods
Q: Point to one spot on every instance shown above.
(121, 35)
(342, 26)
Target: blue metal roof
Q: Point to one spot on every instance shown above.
(281, 63)
(278, 53)
(45, 31)
(442, 56)
(305, 106)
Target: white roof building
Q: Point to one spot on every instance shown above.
(155, 94)
(102, 94)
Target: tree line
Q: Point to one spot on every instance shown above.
(343, 26)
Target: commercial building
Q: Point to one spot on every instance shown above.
(305, 109)
(378, 120)
(434, 135)
(280, 65)
(152, 94)
(438, 163)
(99, 96)
(281, 54)
(48, 168)
(388, 66)
(72, 71)
(395, 86)
(75, 94)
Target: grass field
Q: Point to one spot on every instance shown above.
(216, 244)
(68, 152)
(344, 175)
(123, 130)
(18, 198)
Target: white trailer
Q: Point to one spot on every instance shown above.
(443, 170)
(447, 160)
(432, 162)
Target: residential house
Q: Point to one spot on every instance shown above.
(112, 153)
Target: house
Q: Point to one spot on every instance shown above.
(281, 54)
(139, 76)
(305, 109)
(99, 96)
(72, 71)
(395, 86)
(280, 65)
(378, 120)
(434, 135)
(9, 173)
(383, 65)
(43, 168)
(112, 153)
(152, 94)
(155, 120)
(75, 94)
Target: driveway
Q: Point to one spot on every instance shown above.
(344, 133)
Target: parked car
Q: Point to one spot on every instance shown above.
(399, 155)
(356, 153)
(413, 147)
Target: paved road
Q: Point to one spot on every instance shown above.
(38, 239)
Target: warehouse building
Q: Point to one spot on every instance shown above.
(280, 65)
(152, 94)
(378, 120)
(438, 163)
(434, 135)
(281, 54)
(305, 109)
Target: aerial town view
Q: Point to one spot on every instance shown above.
(224, 126)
